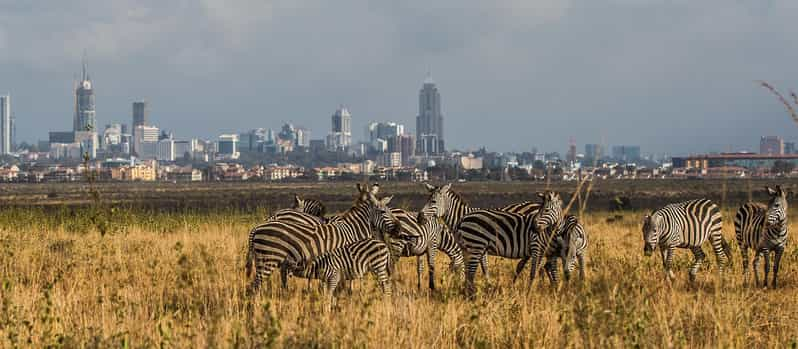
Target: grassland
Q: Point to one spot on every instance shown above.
(177, 280)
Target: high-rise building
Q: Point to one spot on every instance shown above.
(626, 153)
(5, 125)
(593, 152)
(140, 113)
(429, 122)
(571, 155)
(772, 145)
(166, 150)
(145, 136)
(228, 145)
(340, 137)
(85, 118)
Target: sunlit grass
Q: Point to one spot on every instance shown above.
(178, 280)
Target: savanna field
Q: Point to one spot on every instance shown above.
(94, 276)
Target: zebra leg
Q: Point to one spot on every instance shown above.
(472, 262)
(719, 247)
(431, 264)
(419, 270)
(520, 267)
(667, 259)
(745, 262)
(381, 272)
(767, 268)
(333, 279)
(484, 265)
(699, 255)
(551, 271)
(284, 275)
(776, 262)
(755, 265)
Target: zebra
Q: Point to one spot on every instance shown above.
(303, 211)
(508, 234)
(448, 204)
(433, 235)
(276, 242)
(350, 262)
(569, 244)
(685, 225)
(764, 229)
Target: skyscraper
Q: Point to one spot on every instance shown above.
(140, 113)
(773, 145)
(340, 137)
(429, 122)
(5, 125)
(85, 118)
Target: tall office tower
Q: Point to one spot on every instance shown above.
(140, 113)
(5, 125)
(773, 145)
(340, 137)
(85, 118)
(429, 122)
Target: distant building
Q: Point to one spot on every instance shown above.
(88, 142)
(145, 136)
(340, 137)
(571, 155)
(390, 159)
(317, 146)
(112, 136)
(383, 130)
(470, 162)
(140, 113)
(227, 146)
(626, 153)
(789, 147)
(732, 160)
(429, 122)
(5, 125)
(772, 145)
(593, 152)
(166, 150)
(85, 118)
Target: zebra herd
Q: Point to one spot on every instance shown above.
(370, 237)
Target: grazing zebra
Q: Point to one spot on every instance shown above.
(349, 262)
(433, 235)
(509, 235)
(764, 229)
(277, 242)
(569, 244)
(685, 225)
(448, 204)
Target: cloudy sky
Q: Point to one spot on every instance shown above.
(674, 76)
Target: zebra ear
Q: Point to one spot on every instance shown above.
(770, 191)
(429, 187)
(646, 218)
(297, 201)
(541, 195)
(360, 188)
(447, 187)
(386, 200)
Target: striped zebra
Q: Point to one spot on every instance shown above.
(764, 229)
(349, 262)
(569, 245)
(303, 211)
(452, 208)
(685, 225)
(433, 236)
(277, 242)
(508, 234)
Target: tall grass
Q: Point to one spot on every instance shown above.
(176, 280)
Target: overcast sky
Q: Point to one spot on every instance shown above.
(672, 76)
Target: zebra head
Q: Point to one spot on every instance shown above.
(312, 207)
(439, 202)
(380, 216)
(652, 229)
(550, 214)
(571, 244)
(776, 214)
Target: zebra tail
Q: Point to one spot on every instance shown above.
(249, 265)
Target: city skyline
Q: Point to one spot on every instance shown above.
(614, 73)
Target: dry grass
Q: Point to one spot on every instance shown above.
(182, 285)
